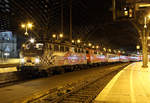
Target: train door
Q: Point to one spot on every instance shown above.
(88, 56)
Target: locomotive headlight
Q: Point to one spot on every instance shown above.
(22, 60)
(37, 60)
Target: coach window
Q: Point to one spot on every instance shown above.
(75, 49)
(62, 48)
(95, 52)
(87, 52)
(66, 48)
(98, 52)
(50, 46)
(79, 50)
(83, 50)
(56, 48)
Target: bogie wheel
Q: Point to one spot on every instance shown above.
(43, 73)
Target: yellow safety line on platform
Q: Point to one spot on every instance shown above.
(133, 100)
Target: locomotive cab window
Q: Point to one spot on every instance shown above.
(39, 46)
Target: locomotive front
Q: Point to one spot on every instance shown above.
(30, 55)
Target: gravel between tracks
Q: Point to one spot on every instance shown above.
(79, 91)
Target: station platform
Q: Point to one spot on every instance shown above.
(130, 85)
(9, 61)
(8, 65)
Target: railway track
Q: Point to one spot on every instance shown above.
(88, 93)
(81, 92)
(11, 78)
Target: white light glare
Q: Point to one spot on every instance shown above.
(32, 40)
(37, 60)
(22, 60)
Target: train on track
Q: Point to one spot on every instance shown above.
(50, 57)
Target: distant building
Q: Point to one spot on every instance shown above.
(8, 42)
(8, 45)
(4, 15)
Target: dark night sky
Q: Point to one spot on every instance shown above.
(92, 21)
(121, 34)
(99, 8)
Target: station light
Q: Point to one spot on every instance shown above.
(26, 33)
(114, 51)
(97, 47)
(148, 16)
(137, 47)
(73, 41)
(89, 44)
(109, 50)
(26, 27)
(29, 25)
(148, 44)
(93, 46)
(54, 35)
(23, 25)
(61, 35)
(126, 13)
(104, 49)
(78, 41)
(130, 13)
(148, 38)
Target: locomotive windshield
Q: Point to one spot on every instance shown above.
(30, 49)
